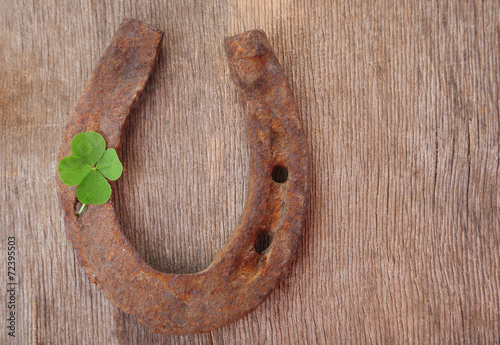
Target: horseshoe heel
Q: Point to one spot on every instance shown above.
(242, 275)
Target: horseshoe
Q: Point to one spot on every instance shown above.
(242, 275)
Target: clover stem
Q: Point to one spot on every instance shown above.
(81, 210)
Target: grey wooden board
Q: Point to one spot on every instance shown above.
(400, 103)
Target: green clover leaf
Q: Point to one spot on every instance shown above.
(94, 189)
(109, 165)
(88, 168)
(72, 170)
(89, 145)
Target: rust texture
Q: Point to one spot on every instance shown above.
(242, 275)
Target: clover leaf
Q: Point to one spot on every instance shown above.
(88, 167)
(89, 145)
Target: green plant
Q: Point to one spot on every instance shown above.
(88, 168)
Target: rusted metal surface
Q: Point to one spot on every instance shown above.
(242, 275)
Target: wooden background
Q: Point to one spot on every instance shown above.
(400, 103)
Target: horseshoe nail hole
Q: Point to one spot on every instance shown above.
(279, 174)
(78, 207)
(262, 242)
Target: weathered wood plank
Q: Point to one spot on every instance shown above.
(400, 103)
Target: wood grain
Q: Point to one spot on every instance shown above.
(400, 103)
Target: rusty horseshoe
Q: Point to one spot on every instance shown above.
(241, 275)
